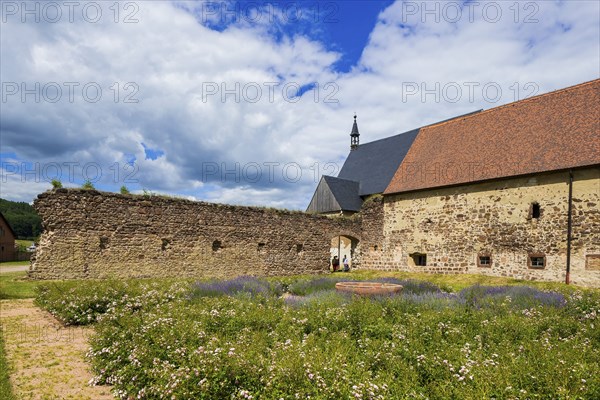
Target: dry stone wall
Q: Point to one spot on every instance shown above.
(91, 234)
(452, 227)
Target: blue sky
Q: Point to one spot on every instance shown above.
(251, 102)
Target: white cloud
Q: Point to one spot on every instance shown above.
(172, 60)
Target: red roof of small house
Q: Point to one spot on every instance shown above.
(551, 132)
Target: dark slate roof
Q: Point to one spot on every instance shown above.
(551, 132)
(345, 192)
(373, 164)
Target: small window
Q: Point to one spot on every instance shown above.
(299, 248)
(261, 247)
(537, 261)
(484, 261)
(535, 211)
(166, 243)
(375, 248)
(420, 259)
(592, 262)
(217, 246)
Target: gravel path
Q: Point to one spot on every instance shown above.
(46, 359)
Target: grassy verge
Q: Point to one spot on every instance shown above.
(14, 264)
(14, 286)
(25, 243)
(5, 387)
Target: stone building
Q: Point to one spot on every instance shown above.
(7, 241)
(511, 191)
(367, 171)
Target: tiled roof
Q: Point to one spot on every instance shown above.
(554, 131)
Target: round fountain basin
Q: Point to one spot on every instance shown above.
(368, 288)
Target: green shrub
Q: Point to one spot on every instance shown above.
(88, 185)
(56, 184)
(124, 190)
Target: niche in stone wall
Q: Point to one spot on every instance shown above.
(104, 242)
(217, 246)
(261, 248)
(166, 243)
(418, 259)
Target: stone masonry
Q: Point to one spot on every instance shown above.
(453, 227)
(91, 234)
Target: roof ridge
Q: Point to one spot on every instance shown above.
(529, 99)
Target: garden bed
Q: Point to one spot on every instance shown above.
(295, 338)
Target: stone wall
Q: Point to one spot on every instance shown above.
(372, 234)
(453, 226)
(91, 234)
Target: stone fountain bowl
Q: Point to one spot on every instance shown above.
(368, 288)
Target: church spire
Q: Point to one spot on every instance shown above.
(354, 135)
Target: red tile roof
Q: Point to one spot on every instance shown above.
(550, 132)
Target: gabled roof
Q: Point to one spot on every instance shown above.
(373, 164)
(335, 194)
(346, 192)
(554, 131)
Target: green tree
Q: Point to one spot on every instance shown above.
(56, 184)
(124, 190)
(22, 218)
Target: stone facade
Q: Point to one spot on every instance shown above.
(501, 228)
(91, 234)
(453, 227)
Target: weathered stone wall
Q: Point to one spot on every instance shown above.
(372, 234)
(453, 226)
(90, 234)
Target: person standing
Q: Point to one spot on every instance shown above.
(335, 263)
(346, 264)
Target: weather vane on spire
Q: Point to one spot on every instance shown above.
(354, 135)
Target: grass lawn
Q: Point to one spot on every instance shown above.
(13, 285)
(14, 263)
(5, 387)
(25, 243)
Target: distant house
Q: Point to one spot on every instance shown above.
(7, 241)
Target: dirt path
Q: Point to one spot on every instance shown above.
(4, 269)
(46, 359)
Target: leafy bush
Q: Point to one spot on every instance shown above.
(56, 184)
(83, 303)
(124, 190)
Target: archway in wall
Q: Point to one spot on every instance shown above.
(343, 246)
